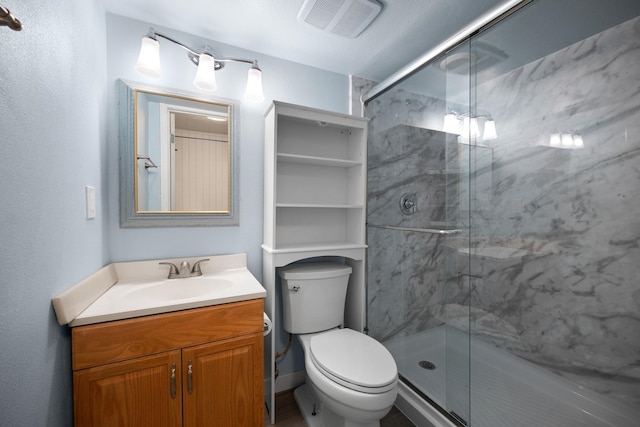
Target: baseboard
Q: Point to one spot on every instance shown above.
(287, 381)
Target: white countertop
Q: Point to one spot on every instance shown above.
(126, 290)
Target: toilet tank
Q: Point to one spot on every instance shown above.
(313, 296)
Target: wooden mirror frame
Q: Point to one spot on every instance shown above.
(129, 217)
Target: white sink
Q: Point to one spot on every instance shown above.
(199, 287)
(132, 289)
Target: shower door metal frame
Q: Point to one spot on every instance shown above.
(483, 22)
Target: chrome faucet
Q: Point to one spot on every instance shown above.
(185, 269)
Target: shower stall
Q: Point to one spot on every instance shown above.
(503, 219)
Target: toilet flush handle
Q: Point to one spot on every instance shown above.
(293, 287)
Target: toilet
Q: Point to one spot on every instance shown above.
(351, 379)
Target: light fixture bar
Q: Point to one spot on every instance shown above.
(149, 65)
(152, 32)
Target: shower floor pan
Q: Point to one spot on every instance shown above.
(506, 391)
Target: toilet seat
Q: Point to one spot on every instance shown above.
(354, 360)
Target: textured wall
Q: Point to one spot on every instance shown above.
(573, 296)
(52, 121)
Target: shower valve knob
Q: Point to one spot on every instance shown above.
(408, 203)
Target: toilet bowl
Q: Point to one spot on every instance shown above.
(351, 379)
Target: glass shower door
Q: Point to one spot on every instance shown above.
(417, 222)
(508, 295)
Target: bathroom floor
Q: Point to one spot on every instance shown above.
(288, 414)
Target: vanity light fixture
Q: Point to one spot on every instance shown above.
(469, 126)
(489, 130)
(208, 63)
(577, 141)
(451, 123)
(566, 140)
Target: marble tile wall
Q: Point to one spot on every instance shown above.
(358, 87)
(405, 268)
(552, 269)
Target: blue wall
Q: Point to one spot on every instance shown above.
(58, 133)
(53, 99)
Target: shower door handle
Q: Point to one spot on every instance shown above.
(415, 230)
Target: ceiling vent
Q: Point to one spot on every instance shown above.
(346, 18)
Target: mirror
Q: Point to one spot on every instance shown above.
(178, 158)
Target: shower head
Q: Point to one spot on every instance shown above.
(456, 62)
(480, 57)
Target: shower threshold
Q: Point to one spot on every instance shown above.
(506, 391)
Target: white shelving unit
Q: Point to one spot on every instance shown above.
(315, 176)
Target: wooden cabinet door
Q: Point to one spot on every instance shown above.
(225, 387)
(134, 393)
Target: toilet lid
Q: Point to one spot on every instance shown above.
(354, 360)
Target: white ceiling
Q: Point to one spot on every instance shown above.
(404, 30)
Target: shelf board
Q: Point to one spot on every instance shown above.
(319, 161)
(314, 247)
(317, 206)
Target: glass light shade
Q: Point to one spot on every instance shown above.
(451, 124)
(577, 141)
(254, 92)
(567, 140)
(206, 75)
(148, 63)
(489, 130)
(554, 140)
(475, 130)
(470, 128)
(465, 128)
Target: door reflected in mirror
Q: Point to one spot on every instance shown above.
(183, 155)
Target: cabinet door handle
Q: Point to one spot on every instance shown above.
(190, 377)
(173, 381)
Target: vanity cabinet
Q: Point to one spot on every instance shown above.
(315, 175)
(197, 367)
